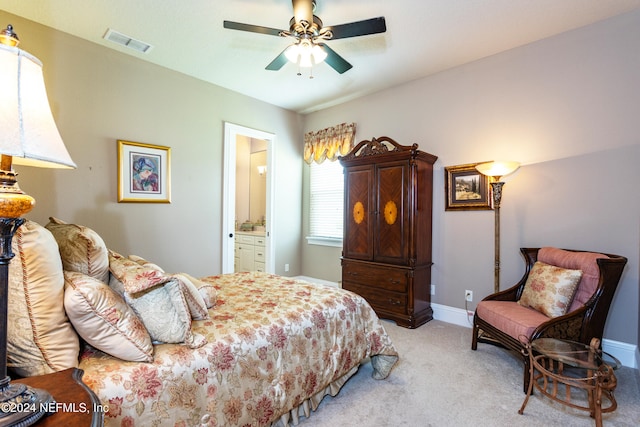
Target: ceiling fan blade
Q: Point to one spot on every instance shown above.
(334, 60)
(358, 28)
(252, 28)
(278, 62)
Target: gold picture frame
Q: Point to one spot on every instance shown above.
(144, 173)
(466, 189)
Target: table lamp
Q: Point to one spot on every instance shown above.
(496, 170)
(28, 136)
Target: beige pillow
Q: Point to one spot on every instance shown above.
(550, 289)
(195, 301)
(81, 249)
(207, 290)
(104, 320)
(40, 338)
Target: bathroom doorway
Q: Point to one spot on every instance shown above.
(241, 142)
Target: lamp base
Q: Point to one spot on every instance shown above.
(21, 405)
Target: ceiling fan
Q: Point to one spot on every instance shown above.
(307, 31)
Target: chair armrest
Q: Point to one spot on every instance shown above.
(510, 294)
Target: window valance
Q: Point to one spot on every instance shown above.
(329, 143)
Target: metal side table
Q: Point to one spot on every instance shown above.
(558, 366)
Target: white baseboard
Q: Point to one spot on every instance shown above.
(627, 354)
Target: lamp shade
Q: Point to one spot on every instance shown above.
(28, 132)
(305, 54)
(497, 169)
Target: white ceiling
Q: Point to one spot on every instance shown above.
(423, 37)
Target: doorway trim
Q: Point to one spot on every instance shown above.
(231, 132)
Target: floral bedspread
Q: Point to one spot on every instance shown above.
(275, 347)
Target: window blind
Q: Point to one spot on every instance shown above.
(326, 200)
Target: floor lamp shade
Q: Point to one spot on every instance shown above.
(28, 132)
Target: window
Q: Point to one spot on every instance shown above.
(326, 203)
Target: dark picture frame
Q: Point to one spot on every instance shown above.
(144, 173)
(466, 189)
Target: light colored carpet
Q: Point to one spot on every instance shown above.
(440, 381)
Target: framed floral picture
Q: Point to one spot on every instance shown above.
(144, 173)
(465, 188)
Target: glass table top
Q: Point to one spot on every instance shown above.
(575, 354)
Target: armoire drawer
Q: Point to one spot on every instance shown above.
(391, 279)
(387, 300)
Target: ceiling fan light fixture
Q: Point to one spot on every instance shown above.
(305, 53)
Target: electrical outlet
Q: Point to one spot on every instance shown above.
(468, 295)
(433, 289)
(286, 267)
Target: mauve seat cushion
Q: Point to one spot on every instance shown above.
(510, 317)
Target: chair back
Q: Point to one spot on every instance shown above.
(600, 277)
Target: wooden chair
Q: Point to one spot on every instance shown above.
(500, 320)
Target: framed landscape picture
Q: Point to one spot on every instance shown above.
(465, 188)
(144, 173)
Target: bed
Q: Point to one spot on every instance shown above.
(274, 348)
(168, 349)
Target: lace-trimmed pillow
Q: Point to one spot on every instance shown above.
(104, 320)
(550, 289)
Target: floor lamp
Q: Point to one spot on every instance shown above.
(495, 171)
(28, 135)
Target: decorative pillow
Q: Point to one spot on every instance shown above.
(206, 290)
(40, 338)
(163, 311)
(104, 320)
(195, 301)
(550, 289)
(585, 261)
(135, 277)
(145, 263)
(81, 249)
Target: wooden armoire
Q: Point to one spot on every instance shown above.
(386, 256)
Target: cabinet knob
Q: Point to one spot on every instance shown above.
(230, 234)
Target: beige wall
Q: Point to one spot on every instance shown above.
(567, 108)
(98, 96)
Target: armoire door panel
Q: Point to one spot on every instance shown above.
(358, 214)
(391, 221)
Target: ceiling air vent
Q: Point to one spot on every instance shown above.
(127, 41)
